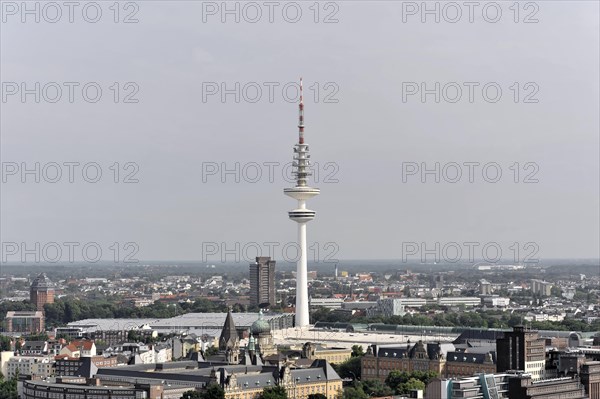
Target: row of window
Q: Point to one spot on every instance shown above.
(33, 393)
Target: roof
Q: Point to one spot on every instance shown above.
(467, 357)
(252, 381)
(260, 326)
(80, 345)
(24, 313)
(483, 335)
(229, 336)
(203, 322)
(34, 345)
(319, 370)
(432, 349)
(42, 281)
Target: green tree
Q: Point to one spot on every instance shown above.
(409, 385)
(192, 394)
(350, 368)
(8, 388)
(395, 378)
(401, 381)
(276, 392)
(5, 343)
(354, 393)
(133, 336)
(357, 351)
(211, 350)
(376, 388)
(213, 391)
(37, 337)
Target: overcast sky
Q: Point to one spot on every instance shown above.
(366, 125)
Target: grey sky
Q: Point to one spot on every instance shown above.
(368, 134)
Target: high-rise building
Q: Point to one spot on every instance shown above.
(437, 282)
(262, 281)
(541, 287)
(485, 288)
(522, 349)
(41, 291)
(301, 215)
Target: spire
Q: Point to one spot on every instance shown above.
(301, 117)
(229, 337)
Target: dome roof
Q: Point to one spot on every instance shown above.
(260, 326)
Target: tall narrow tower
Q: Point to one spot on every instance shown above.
(301, 215)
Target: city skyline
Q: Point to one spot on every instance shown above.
(157, 186)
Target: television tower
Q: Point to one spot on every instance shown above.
(301, 215)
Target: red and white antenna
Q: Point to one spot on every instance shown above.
(301, 117)
(301, 215)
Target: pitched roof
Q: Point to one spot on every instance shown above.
(80, 345)
(31, 345)
(466, 357)
(229, 337)
(42, 281)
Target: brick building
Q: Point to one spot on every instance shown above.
(41, 291)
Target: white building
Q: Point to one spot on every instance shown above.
(459, 300)
(391, 307)
(5, 356)
(329, 303)
(29, 365)
(496, 301)
(163, 354)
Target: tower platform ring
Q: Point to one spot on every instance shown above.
(301, 192)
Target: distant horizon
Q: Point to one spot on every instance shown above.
(172, 262)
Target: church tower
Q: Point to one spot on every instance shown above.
(229, 341)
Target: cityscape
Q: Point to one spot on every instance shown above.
(454, 245)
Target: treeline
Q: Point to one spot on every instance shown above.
(66, 310)
(489, 319)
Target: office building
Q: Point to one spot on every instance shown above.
(262, 282)
(540, 287)
(522, 349)
(31, 322)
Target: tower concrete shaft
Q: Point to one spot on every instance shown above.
(301, 215)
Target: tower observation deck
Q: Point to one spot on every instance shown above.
(301, 215)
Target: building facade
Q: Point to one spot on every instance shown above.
(25, 321)
(331, 355)
(41, 366)
(541, 287)
(262, 281)
(41, 291)
(522, 349)
(505, 386)
(380, 361)
(525, 387)
(441, 358)
(590, 378)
